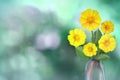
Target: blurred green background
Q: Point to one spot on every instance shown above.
(33, 39)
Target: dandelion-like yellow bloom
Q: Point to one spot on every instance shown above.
(76, 37)
(107, 27)
(90, 19)
(90, 49)
(107, 43)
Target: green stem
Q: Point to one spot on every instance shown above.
(92, 35)
(103, 33)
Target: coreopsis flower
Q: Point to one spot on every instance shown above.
(90, 49)
(90, 19)
(76, 37)
(107, 27)
(107, 43)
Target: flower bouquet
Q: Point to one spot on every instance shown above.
(102, 42)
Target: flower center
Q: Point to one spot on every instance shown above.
(90, 20)
(106, 42)
(90, 49)
(106, 27)
(76, 37)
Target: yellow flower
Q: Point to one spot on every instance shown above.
(76, 37)
(90, 19)
(107, 43)
(90, 49)
(107, 27)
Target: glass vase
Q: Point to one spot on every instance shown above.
(94, 70)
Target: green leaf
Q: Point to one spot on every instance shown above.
(102, 57)
(97, 35)
(80, 54)
(114, 36)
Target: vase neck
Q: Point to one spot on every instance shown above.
(94, 70)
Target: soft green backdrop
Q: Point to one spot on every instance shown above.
(33, 39)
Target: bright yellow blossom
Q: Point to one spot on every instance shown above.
(76, 37)
(107, 43)
(90, 19)
(107, 27)
(90, 49)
